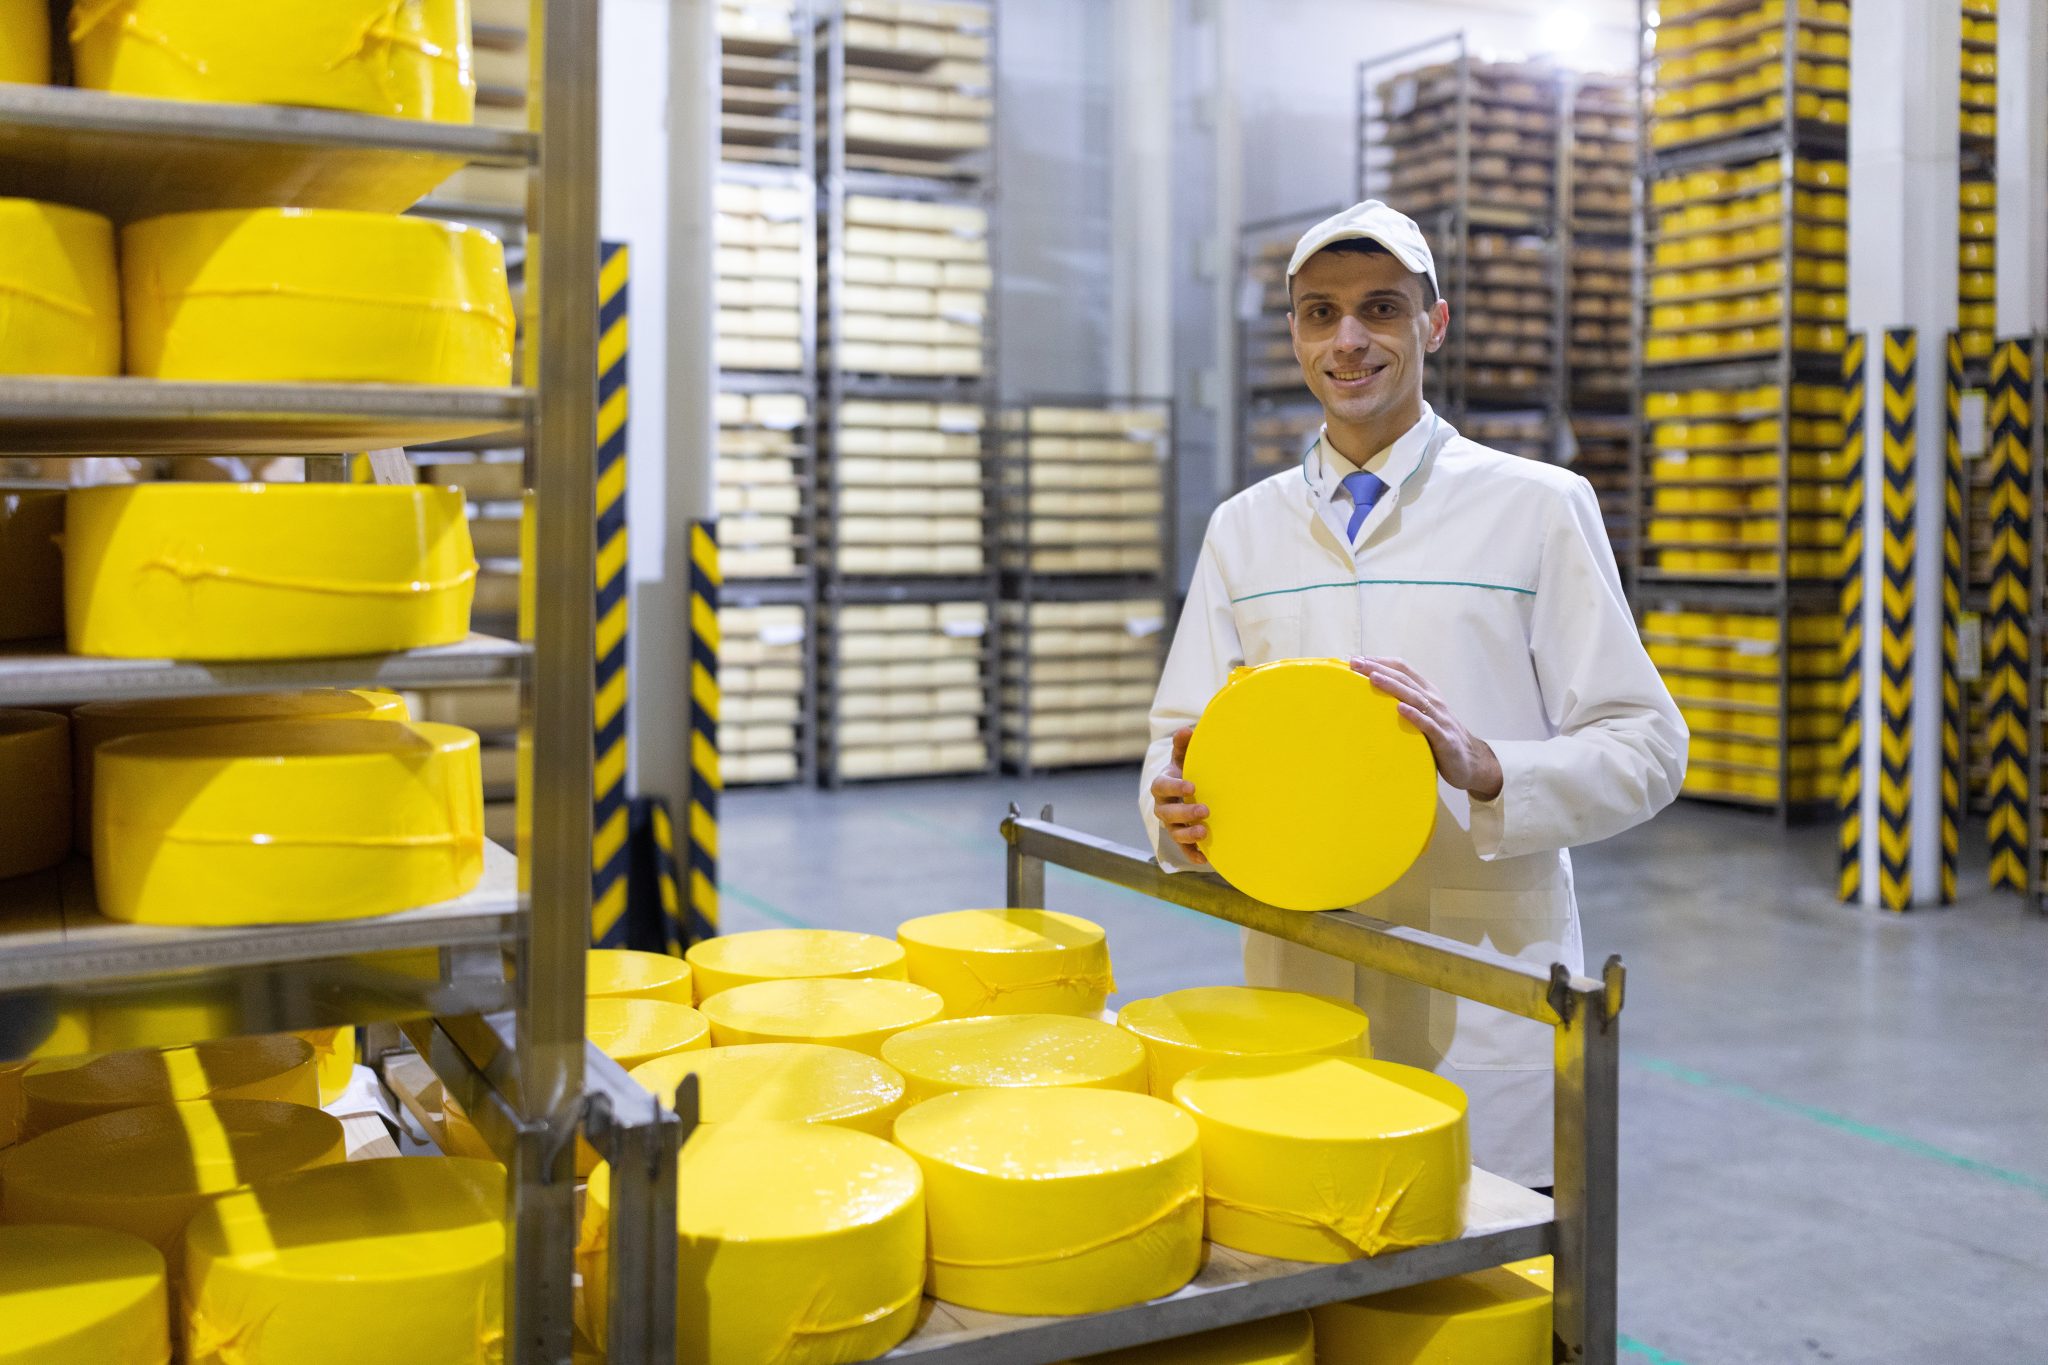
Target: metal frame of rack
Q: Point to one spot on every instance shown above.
(969, 179)
(1023, 585)
(1504, 1223)
(1257, 401)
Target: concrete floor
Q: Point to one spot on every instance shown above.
(1835, 1121)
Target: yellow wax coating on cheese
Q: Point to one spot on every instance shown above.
(60, 293)
(1016, 1050)
(1286, 1340)
(1009, 961)
(719, 964)
(635, 1032)
(1501, 1316)
(35, 791)
(81, 1296)
(278, 1067)
(858, 1014)
(786, 1082)
(624, 972)
(13, 1104)
(334, 1055)
(1185, 1029)
(31, 564)
(25, 41)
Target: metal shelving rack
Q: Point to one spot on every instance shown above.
(1277, 415)
(512, 1043)
(849, 164)
(1599, 245)
(1789, 137)
(1977, 321)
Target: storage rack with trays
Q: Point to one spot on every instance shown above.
(764, 82)
(1082, 625)
(1277, 415)
(1977, 322)
(906, 163)
(1745, 438)
(1600, 246)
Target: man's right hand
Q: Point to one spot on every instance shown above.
(1173, 802)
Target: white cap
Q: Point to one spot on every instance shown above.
(1375, 222)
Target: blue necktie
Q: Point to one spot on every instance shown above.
(1365, 490)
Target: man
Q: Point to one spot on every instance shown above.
(1479, 591)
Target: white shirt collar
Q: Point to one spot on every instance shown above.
(1326, 468)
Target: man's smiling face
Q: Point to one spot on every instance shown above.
(1361, 326)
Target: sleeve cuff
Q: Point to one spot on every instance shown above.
(1491, 820)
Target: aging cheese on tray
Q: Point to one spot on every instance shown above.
(787, 1082)
(1500, 1316)
(60, 294)
(857, 1014)
(623, 973)
(31, 565)
(35, 790)
(1009, 961)
(277, 1067)
(1001, 1050)
(81, 1296)
(334, 1058)
(635, 1032)
(265, 571)
(1185, 1029)
(277, 822)
(25, 41)
(1286, 1340)
(315, 296)
(729, 960)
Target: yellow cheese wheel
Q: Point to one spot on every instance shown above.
(60, 294)
(12, 1103)
(1182, 1030)
(1001, 1050)
(315, 296)
(334, 1059)
(276, 1067)
(1329, 1158)
(1500, 1316)
(31, 565)
(286, 823)
(773, 1267)
(859, 1015)
(1009, 961)
(25, 41)
(35, 791)
(719, 964)
(81, 1296)
(147, 1171)
(265, 571)
(1057, 1201)
(400, 1259)
(783, 1082)
(635, 1032)
(401, 58)
(1285, 1340)
(625, 973)
(99, 722)
(1282, 757)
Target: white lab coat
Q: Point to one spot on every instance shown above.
(1492, 576)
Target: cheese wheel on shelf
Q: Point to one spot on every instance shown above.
(35, 791)
(25, 42)
(147, 1171)
(826, 1267)
(623, 973)
(1057, 1201)
(719, 964)
(412, 60)
(1009, 961)
(100, 722)
(60, 293)
(281, 823)
(1501, 1316)
(81, 1296)
(279, 1274)
(31, 565)
(783, 1082)
(334, 1060)
(315, 296)
(636, 1032)
(1004, 1050)
(226, 571)
(1185, 1029)
(1286, 1340)
(859, 1014)
(273, 1067)
(1329, 1158)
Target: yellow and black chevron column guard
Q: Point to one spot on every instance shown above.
(2007, 667)
(1849, 655)
(700, 908)
(610, 817)
(1952, 773)
(1895, 640)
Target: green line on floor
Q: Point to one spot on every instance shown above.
(1898, 1142)
(1649, 1353)
(755, 903)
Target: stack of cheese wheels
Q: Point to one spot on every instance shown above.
(783, 1082)
(286, 823)
(997, 1051)
(1328, 1158)
(411, 60)
(334, 1059)
(395, 1260)
(35, 791)
(1186, 1029)
(31, 565)
(101, 722)
(149, 1170)
(770, 1268)
(1500, 1316)
(1057, 1201)
(1286, 1340)
(219, 571)
(719, 964)
(278, 1067)
(316, 296)
(82, 1296)
(860, 1014)
(1009, 961)
(25, 42)
(60, 293)
(624, 974)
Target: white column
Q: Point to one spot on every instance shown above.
(2022, 169)
(1904, 177)
(1141, 199)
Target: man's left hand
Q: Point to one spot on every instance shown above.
(1464, 760)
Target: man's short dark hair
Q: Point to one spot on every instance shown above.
(1366, 246)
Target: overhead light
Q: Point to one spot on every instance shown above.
(1563, 30)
